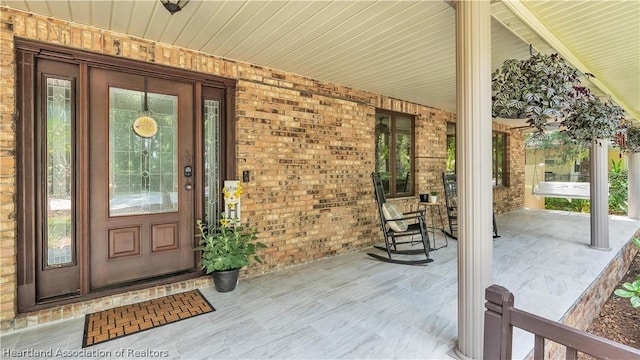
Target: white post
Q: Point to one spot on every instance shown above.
(475, 198)
(600, 194)
(633, 162)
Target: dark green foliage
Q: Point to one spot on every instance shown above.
(228, 247)
(617, 195)
(575, 205)
(631, 290)
(632, 142)
(618, 188)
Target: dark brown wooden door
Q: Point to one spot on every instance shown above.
(141, 177)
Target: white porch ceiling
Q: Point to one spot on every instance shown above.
(403, 49)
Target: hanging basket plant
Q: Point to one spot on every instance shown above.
(540, 89)
(544, 89)
(592, 119)
(632, 139)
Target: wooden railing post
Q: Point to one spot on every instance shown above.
(498, 333)
(501, 317)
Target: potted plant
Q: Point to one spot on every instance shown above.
(433, 196)
(225, 250)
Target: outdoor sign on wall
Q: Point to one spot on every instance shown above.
(232, 191)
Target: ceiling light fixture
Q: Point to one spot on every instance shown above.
(174, 6)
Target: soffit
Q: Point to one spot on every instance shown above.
(402, 49)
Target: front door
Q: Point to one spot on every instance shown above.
(141, 177)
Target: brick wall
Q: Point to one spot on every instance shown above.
(7, 173)
(307, 144)
(309, 193)
(511, 197)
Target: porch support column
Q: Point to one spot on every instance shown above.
(633, 163)
(475, 198)
(600, 194)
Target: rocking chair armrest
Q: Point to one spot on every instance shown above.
(413, 217)
(418, 213)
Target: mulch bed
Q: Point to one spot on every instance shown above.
(618, 320)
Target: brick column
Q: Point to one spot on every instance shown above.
(7, 174)
(475, 248)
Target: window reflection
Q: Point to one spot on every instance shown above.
(394, 151)
(59, 172)
(143, 171)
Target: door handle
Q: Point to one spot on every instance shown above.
(188, 186)
(188, 171)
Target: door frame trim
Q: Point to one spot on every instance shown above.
(61, 53)
(27, 53)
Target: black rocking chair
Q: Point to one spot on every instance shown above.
(451, 203)
(399, 230)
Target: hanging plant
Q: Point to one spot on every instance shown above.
(632, 140)
(541, 89)
(545, 88)
(592, 119)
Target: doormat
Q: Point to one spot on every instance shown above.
(130, 319)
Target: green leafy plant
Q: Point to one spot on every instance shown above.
(618, 188)
(617, 195)
(592, 119)
(451, 153)
(632, 140)
(229, 246)
(540, 89)
(575, 205)
(545, 88)
(434, 193)
(631, 290)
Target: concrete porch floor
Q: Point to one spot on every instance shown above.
(352, 306)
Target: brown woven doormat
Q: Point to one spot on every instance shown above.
(130, 319)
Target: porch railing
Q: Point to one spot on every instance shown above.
(500, 318)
